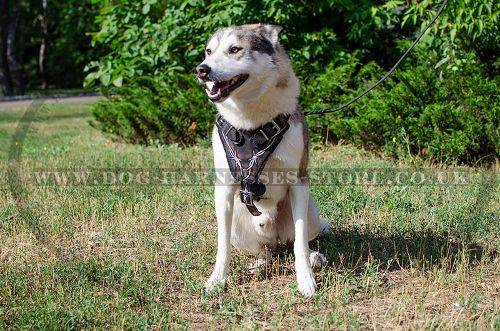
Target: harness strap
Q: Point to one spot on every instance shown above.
(247, 152)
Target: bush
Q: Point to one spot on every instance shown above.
(420, 111)
(152, 113)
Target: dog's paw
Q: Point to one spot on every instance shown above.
(306, 282)
(317, 260)
(217, 279)
(214, 283)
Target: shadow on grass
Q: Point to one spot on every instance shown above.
(351, 249)
(353, 252)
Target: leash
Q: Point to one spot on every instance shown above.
(381, 80)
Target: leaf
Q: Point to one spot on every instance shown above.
(105, 78)
(176, 68)
(146, 9)
(481, 27)
(453, 33)
(89, 79)
(441, 62)
(118, 81)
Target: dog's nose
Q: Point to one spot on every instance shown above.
(202, 70)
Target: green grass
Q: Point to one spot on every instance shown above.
(136, 256)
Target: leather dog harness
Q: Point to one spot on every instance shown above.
(247, 152)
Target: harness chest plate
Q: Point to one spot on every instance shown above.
(247, 152)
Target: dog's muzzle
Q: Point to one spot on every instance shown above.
(202, 71)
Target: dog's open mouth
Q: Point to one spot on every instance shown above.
(220, 90)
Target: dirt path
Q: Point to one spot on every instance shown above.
(25, 103)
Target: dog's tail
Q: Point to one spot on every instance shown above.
(324, 227)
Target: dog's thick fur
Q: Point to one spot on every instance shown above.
(289, 213)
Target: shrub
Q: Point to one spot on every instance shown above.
(151, 112)
(450, 117)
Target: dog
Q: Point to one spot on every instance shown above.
(250, 80)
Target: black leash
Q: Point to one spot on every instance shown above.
(347, 104)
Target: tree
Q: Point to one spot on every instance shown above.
(10, 75)
(43, 45)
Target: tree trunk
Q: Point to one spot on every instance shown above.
(43, 45)
(15, 71)
(5, 81)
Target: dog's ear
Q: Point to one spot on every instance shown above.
(272, 31)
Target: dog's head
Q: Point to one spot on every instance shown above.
(240, 62)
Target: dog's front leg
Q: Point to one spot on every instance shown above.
(299, 197)
(224, 200)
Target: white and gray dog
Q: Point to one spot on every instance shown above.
(250, 80)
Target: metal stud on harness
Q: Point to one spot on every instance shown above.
(247, 152)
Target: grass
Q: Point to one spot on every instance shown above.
(136, 256)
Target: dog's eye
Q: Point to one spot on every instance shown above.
(209, 51)
(234, 49)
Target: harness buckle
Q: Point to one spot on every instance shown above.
(264, 134)
(219, 120)
(275, 127)
(246, 196)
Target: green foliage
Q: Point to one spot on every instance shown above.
(441, 105)
(466, 24)
(148, 37)
(152, 113)
(418, 112)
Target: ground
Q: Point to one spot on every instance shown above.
(129, 256)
